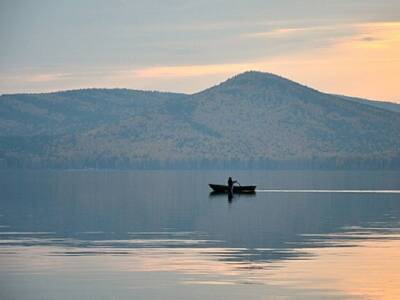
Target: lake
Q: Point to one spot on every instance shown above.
(161, 235)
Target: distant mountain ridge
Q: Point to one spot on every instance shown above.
(252, 120)
(380, 104)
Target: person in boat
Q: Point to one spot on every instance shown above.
(231, 183)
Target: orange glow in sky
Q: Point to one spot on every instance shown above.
(366, 64)
(360, 59)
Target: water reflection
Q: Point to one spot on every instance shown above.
(230, 197)
(94, 225)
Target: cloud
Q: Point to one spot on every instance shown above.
(365, 62)
(288, 31)
(368, 39)
(47, 77)
(358, 59)
(190, 70)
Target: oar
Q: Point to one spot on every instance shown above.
(239, 185)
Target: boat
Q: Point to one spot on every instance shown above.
(218, 188)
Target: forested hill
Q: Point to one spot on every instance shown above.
(253, 120)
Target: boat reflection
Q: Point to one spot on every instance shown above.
(231, 196)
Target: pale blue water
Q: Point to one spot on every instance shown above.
(161, 235)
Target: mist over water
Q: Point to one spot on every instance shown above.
(161, 235)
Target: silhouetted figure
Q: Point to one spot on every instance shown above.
(230, 184)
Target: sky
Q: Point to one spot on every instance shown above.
(347, 47)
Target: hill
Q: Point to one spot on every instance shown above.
(380, 104)
(254, 119)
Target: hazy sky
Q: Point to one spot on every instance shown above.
(342, 46)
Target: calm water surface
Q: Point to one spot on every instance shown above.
(161, 235)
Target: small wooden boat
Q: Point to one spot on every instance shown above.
(236, 188)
